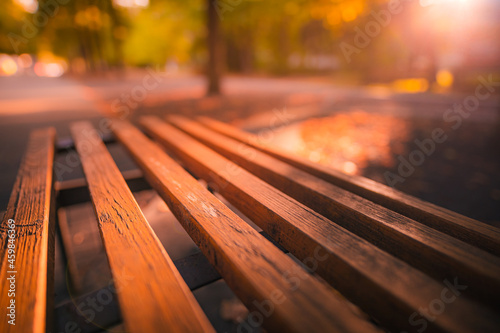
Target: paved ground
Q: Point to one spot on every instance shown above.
(461, 175)
(30, 102)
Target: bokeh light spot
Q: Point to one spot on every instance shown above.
(8, 66)
(444, 78)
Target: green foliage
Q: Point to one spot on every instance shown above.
(11, 22)
(166, 30)
(278, 36)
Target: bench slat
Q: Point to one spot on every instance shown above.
(258, 272)
(31, 206)
(151, 293)
(466, 229)
(390, 282)
(434, 252)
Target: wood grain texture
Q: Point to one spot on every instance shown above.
(379, 283)
(436, 253)
(151, 293)
(31, 207)
(258, 272)
(466, 229)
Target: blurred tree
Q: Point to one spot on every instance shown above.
(13, 39)
(262, 35)
(82, 30)
(278, 37)
(214, 63)
(165, 31)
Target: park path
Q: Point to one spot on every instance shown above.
(27, 103)
(248, 102)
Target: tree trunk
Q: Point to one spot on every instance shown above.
(214, 50)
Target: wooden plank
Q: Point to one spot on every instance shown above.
(151, 293)
(379, 283)
(194, 269)
(436, 253)
(31, 208)
(466, 229)
(74, 191)
(263, 277)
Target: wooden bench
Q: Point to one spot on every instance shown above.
(409, 266)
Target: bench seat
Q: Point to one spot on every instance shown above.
(330, 242)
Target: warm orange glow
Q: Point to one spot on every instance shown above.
(349, 13)
(8, 66)
(348, 141)
(350, 168)
(444, 78)
(50, 65)
(317, 12)
(31, 6)
(413, 85)
(334, 18)
(52, 69)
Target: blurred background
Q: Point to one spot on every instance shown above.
(358, 85)
(441, 44)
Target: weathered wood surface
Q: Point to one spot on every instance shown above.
(376, 281)
(74, 191)
(434, 252)
(31, 207)
(466, 229)
(151, 293)
(258, 272)
(194, 269)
